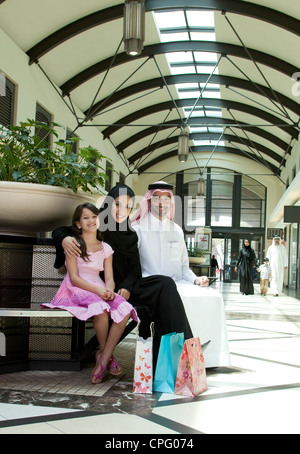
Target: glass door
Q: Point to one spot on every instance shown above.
(230, 259)
(294, 272)
(233, 245)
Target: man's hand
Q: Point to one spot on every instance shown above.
(202, 281)
(71, 247)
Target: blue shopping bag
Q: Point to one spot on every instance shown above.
(170, 349)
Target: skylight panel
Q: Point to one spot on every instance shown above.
(170, 19)
(178, 57)
(209, 142)
(211, 94)
(188, 94)
(203, 36)
(194, 26)
(187, 86)
(209, 86)
(169, 37)
(206, 56)
(197, 129)
(195, 113)
(203, 69)
(200, 18)
(213, 113)
(184, 70)
(215, 129)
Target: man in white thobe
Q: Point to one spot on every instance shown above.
(163, 251)
(278, 258)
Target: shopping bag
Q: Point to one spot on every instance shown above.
(191, 375)
(143, 365)
(169, 353)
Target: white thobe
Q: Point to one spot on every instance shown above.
(278, 259)
(163, 251)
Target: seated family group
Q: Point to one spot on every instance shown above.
(116, 264)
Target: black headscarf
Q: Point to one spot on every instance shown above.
(123, 240)
(248, 248)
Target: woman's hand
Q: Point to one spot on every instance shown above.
(124, 293)
(71, 247)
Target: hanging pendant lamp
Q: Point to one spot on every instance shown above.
(201, 187)
(183, 146)
(134, 26)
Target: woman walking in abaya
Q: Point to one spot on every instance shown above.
(245, 264)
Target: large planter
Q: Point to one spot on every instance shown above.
(26, 208)
(197, 260)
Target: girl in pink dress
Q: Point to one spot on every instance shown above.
(84, 294)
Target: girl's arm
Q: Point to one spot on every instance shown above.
(108, 274)
(76, 280)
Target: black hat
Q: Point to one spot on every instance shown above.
(160, 185)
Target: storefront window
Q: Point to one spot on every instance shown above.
(221, 203)
(293, 255)
(252, 203)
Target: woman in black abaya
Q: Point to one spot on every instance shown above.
(245, 264)
(157, 294)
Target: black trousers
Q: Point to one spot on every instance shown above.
(163, 305)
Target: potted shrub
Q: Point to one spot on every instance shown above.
(196, 255)
(40, 185)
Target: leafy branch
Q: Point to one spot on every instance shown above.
(26, 156)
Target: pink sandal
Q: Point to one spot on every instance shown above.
(100, 374)
(112, 364)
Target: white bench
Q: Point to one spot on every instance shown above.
(34, 313)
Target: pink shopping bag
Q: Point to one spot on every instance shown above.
(191, 374)
(143, 366)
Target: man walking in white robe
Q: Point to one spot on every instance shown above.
(277, 255)
(163, 251)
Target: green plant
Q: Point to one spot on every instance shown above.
(195, 251)
(26, 156)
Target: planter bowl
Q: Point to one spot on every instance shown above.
(26, 208)
(197, 260)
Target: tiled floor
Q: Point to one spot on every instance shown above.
(260, 393)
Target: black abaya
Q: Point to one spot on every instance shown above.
(246, 262)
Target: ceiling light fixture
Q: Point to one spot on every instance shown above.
(201, 187)
(134, 26)
(183, 146)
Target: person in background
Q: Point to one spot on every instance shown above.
(245, 264)
(277, 254)
(265, 276)
(213, 266)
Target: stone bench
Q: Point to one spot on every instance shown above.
(36, 337)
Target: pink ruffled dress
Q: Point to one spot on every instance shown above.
(84, 304)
